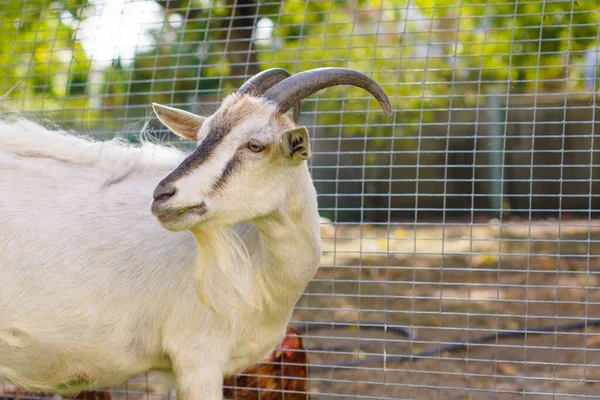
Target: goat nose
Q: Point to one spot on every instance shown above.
(163, 192)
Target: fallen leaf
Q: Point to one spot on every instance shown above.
(574, 267)
(513, 325)
(382, 243)
(549, 264)
(399, 234)
(488, 260)
(592, 341)
(506, 369)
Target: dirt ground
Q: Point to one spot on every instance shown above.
(451, 282)
(447, 283)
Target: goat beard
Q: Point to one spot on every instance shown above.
(223, 268)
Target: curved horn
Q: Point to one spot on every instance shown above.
(294, 89)
(261, 82)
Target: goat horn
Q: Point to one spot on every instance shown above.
(261, 82)
(294, 89)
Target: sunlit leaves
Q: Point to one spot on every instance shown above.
(41, 64)
(427, 54)
(442, 49)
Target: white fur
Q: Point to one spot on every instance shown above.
(94, 290)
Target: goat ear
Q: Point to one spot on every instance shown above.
(182, 123)
(296, 143)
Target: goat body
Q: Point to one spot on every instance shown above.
(93, 290)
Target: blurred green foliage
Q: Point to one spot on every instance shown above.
(427, 54)
(42, 66)
(445, 54)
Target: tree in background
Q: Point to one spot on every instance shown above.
(192, 61)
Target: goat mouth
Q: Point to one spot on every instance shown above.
(172, 215)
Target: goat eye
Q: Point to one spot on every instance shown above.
(256, 147)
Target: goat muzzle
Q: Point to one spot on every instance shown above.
(163, 193)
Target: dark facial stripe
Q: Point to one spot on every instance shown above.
(231, 166)
(220, 127)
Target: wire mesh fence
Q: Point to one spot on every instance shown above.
(461, 237)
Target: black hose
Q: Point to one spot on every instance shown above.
(445, 348)
(366, 325)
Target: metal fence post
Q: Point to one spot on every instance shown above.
(497, 132)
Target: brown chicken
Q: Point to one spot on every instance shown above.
(282, 375)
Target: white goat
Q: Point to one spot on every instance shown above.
(93, 290)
